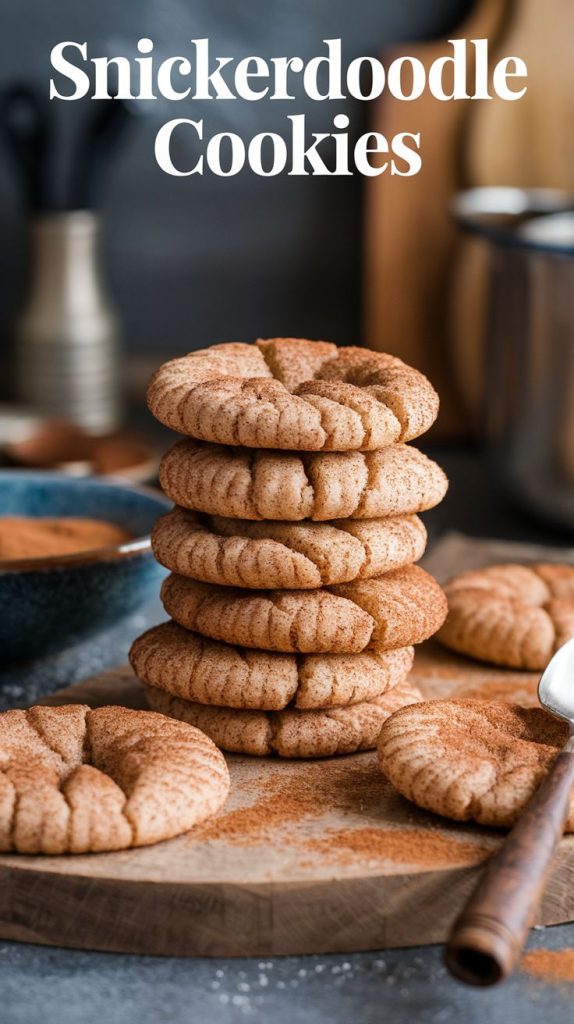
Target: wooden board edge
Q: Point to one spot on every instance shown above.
(234, 920)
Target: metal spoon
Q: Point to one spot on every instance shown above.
(488, 936)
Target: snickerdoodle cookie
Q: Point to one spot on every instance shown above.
(469, 759)
(395, 610)
(513, 615)
(251, 484)
(76, 780)
(239, 553)
(290, 733)
(293, 393)
(195, 668)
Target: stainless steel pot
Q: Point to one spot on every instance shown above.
(529, 364)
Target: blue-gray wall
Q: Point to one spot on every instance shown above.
(196, 260)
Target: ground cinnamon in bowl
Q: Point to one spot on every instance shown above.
(25, 537)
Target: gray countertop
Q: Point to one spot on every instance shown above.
(57, 986)
(52, 986)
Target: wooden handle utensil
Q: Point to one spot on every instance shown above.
(487, 937)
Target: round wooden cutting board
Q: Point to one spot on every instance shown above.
(306, 857)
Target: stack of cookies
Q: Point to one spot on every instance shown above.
(294, 600)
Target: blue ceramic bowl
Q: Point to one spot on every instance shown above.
(47, 604)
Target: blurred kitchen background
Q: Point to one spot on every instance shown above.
(193, 261)
(167, 265)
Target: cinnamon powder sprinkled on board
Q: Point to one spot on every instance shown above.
(292, 795)
(355, 790)
(424, 847)
(526, 695)
(549, 964)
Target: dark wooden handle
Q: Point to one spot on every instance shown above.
(487, 938)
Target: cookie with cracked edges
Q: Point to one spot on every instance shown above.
(470, 759)
(291, 733)
(205, 671)
(292, 393)
(395, 610)
(291, 486)
(512, 615)
(284, 556)
(77, 780)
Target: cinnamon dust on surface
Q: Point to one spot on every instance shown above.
(525, 694)
(549, 964)
(421, 846)
(23, 537)
(292, 795)
(355, 791)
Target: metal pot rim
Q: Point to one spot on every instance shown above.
(495, 212)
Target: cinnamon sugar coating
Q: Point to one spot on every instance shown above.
(469, 759)
(76, 780)
(394, 610)
(512, 615)
(252, 484)
(269, 555)
(291, 393)
(194, 668)
(289, 733)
